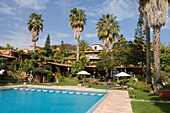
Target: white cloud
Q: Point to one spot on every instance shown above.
(93, 21)
(18, 36)
(62, 35)
(91, 35)
(5, 9)
(55, 37)
(8, 10)
(120, 8)
(18, 40)
(32, 4)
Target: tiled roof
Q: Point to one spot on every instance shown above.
(86, 52)
(7, 56)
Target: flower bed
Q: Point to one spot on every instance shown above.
(165, 94)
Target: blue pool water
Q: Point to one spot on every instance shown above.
(22, 101)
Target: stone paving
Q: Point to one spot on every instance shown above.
(116, 102)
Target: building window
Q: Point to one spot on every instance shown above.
(95, 47)
(91, 55)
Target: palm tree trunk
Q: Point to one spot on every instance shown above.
(78, 48)
(157, 70)
(148, 65)
(107, 77)
(34, 46)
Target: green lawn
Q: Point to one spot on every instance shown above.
(150, 107)
(145, 96)
(65, 84)
(99, 86)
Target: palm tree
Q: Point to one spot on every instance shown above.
(35, 25)
(148, 57)
(77, 22)
(107, 29)
(155, 13)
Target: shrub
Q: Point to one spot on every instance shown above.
(165, 94)
(79, 77)
(60, 77)
(167, 68)
(94, 82)
(101, 79)
(140, 78)
(80, 81)
(70, 79)
(166, 87)
(132, 93)
(50, 76)
(142, 86)
(147, 88)
(86, 80)
(67, 74)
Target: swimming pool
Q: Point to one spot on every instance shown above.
(45, 100)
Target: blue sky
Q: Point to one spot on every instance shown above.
(14, 15)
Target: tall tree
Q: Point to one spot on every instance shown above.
(7, 45)
(35, 25)
(84, 46)
(138, 45)
(155, 13)
(107, 62)
(77, 22)
(107, 29)
(120, 52)
(148, 55)
(47, 46)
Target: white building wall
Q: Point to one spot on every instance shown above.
(97, 47)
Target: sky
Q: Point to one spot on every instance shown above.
(15, 13)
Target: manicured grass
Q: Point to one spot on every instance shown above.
(12, 84)
(39, 84)
(17, 83)
(99, 86)
(65, 84)
(145, 96)
(150, 107)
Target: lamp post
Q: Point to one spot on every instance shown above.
(68, 69)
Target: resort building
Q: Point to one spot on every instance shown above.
(97, 47)
(65, 66)
(37, 48)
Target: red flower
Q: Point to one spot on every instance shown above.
(98, 74)
(17, 58)
(139, 71)
(63, 73)
(55, 72)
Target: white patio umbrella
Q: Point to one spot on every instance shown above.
(83, 73)
(122, 74)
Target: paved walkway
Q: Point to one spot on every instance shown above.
(116, 102)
